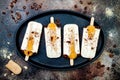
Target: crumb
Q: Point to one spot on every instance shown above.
(36, 8)
(89, 3)
(27, 13)
(109, 12)
(24, 7)
(85, 8)
(111, 55)
(99, 65)
(85, 39)
(25, 67)
(11, 11)
(40, 6)
(92, 48)
(76, 40)
(5, 74)
(10, 54)
(32, 7)
(68, 42)
(34, 4)
(75, 6)
(18, 15)
(8, 42)
(114, 46)
(3, 12)
(11, 5)
(8, 57)
(51, 38)
(12, 73)
(81, 2)
(108, 68)
(113, 65)
(14, 1)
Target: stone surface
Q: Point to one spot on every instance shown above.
(106, 13)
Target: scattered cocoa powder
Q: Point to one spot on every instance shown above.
(89, 3)
(27, 13)
(24, 7)
(81, 2)
(108, 68)
(113, 65)
(75, 6)
(4, 12)
(114, 46)
(111, 55)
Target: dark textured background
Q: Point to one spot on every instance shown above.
(106, 13)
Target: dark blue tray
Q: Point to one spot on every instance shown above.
(62, 17)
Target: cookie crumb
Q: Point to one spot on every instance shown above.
(5, 74)
(12, 73)
(25, 67)
(8, 42)
(8, 57)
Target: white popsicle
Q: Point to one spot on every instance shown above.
(89, 46)
(33, 32)
(71, 41)
(53, 39)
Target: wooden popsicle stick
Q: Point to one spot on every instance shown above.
(71, 62)
(92, 21)
(51, 19)
(26, 58)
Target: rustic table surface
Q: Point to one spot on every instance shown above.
(106, 13)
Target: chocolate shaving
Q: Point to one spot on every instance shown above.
(68, 42)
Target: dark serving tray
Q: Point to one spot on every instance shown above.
(65, 17)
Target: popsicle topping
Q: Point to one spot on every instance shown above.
(28, 52)
(52, 25)
(73, 54)
(91, 29)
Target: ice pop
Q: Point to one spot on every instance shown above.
(71, 42)
(53, 39)
(90, 40)
(31, 39)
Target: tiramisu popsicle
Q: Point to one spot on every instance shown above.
(31, 39)
(71, 42)
(90, 40)
(53, 39)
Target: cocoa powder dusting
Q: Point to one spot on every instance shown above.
(81, 2)
(111, 55)
(3, 12)
(27, 13)
(88, 72)
(89, 3)
(114, 46)
(75, 6)
(24, 7)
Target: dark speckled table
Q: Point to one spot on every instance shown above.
(106, 13)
